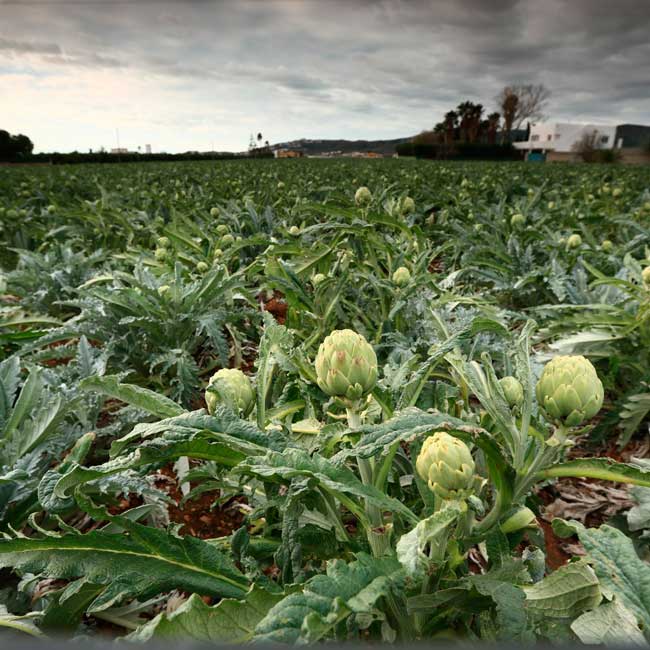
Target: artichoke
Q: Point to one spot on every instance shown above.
(402, 276)
(317, 279)
(607, 246)
(574, 241)
(222, 229)
(227, 240)
(202, 267)
(513, 391)
(294, 231)
(362, 196)
(214, 212)
(569, 390)
(447, 466)
(408, 205)
(346, 365)
(163, 242)
(518, 220)
(231, 387)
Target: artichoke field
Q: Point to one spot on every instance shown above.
(294, 401)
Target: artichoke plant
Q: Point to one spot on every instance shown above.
(513, 391)
(362, 196)
(231, 387)
(518, 220)
(401, 277)
(346, 365)
(574, 241)
(408, 205)
(569, 390)
(446, 464)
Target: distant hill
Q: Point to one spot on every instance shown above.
(320, 147)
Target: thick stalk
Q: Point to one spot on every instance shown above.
(378, 536)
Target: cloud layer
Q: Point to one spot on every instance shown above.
(201, 74)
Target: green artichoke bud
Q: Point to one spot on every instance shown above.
(163, 289)
(231, 387)
(227, 240)
(214, 212)
(202, 267)
(280, 185)
(161, 254)
(294, 231)
(569, 390)
(607, 246)
(346, 365)
(222, 229)
(163, 242)
(402, 276)
(517, 220)
(645, 275)
(317, 279)
(408, 205)
(617, 192)
(513, 390)
(574, 241)
(218, 253)
(447, 466)
(362, 196)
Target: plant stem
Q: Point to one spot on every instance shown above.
(378, 536)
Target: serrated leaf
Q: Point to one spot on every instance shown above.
(338, 480)
(411, 546)
(142, 398)
(610, 624)
(139, 563)
(406, 426)
(621, 572)
(230, 621)
(328, 599)
(565, 593)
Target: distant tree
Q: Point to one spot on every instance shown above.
(15, 147)
(508, 102)
(451, 123)
(589, 150)
(492, 126)
(474, 127)
(522, 102)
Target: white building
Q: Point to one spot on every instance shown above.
(563, 137)
(147, 148)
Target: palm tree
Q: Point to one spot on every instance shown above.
(465, 111)
(450, 122)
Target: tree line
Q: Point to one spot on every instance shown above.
(466, 132)
(14, 148)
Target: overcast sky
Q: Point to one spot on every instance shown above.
(202, 74)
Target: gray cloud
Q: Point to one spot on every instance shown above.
(362, 69)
